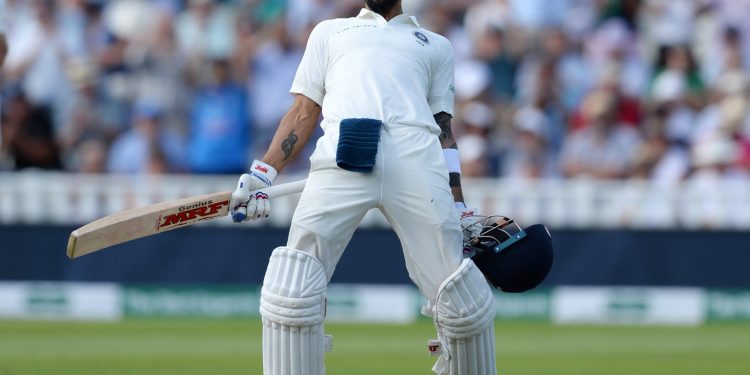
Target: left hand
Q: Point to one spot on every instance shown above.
(469, 221)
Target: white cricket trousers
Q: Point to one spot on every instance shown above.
(410, 187)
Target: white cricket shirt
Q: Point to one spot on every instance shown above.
(366, 67)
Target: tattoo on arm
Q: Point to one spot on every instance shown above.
(288, 145)
(454, 180)
(446, 134)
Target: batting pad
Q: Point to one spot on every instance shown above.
(292, 306)
(464, 317)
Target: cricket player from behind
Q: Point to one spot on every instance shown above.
(384, 86)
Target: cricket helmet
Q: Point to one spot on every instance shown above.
(512, 259)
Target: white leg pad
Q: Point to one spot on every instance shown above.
(464, 314)
(292, 306)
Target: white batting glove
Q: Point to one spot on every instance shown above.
(246, 206)
(470, 225)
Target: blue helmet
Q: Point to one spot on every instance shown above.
(512, 259)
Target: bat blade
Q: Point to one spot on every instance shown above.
(161, 217)
(145, 221)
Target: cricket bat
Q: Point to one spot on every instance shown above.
(157, 218)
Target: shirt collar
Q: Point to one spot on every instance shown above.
(400, 19)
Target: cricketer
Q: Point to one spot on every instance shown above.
(384, 86)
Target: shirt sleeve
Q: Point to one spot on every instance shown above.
(311, 73)
(442, 91)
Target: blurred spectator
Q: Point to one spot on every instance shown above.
(605, 149)
(3, 42)
(625, 10)
(491, 47)
(612, 47)
(484, 16)
(572, 70)
(91, 157)
(89, 115)
(660, 159)
(628, 109)
(3, 53)
(219, 136)
(669, 95)
(441, 18)
(95, 32)
(474, 82)
(159, 68)
(733, 13)
(744, 157)
(273, 69)
(37, 59)
(605, 88)
(28, 135)
(669, 22)
(678, 61)
(542, 94)
(476, 119)
(722, 50)
(728, 111)
(206, 30)
(717, 156)
(529, 155)
(537, 14)
(147, 147)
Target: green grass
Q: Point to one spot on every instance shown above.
(184, 347)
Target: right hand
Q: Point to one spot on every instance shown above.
(246, 206)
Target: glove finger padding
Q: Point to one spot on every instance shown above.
(262, 208)
(266, 208)
(252, 209)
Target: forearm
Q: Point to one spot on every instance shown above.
(448, 142)
(294, 131)
(455, 184)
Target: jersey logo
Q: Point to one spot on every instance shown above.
(421, 38)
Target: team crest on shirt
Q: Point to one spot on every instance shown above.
(421, 38)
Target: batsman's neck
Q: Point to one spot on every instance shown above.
(395, 11)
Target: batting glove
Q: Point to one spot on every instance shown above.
(249, 201)
(470, 225)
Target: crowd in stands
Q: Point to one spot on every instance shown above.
(654, 90)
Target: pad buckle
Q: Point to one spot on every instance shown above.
(434, 347)
(328, 343)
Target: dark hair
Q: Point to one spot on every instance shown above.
(666, 49)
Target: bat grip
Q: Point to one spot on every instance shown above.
(283, 189)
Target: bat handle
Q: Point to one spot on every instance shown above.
(284, 189)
